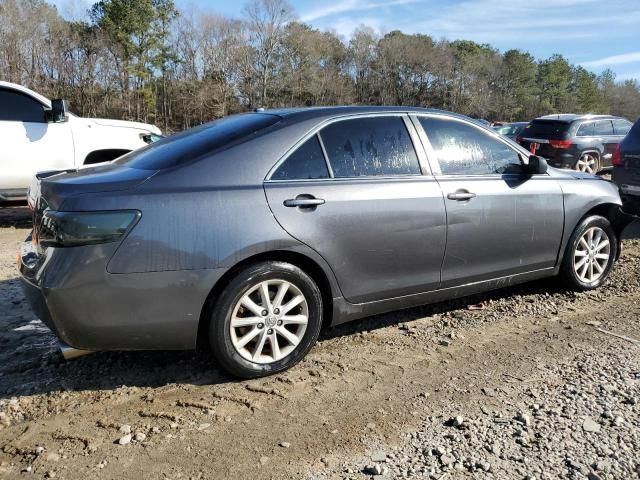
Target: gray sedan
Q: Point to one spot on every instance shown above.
(251, 233)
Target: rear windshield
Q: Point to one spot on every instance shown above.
(549, 129)
(195, 142)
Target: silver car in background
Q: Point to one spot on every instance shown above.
(254, 231)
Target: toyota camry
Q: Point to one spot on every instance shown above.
(252, 232)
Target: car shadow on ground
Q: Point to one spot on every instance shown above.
(31, 364)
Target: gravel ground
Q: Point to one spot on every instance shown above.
(527, 382)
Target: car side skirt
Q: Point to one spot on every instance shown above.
(344, 311)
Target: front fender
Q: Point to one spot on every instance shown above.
(583, 196)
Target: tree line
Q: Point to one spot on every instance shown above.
(147, 60)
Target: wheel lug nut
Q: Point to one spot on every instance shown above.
(270, 331)
(276, 311)
(261, 325)
(264, 313)
(279, 323)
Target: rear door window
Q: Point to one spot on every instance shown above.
(307, 162)
(462, 149)
(373, 146)
(621, 127)
(586, 130)
(603, 127)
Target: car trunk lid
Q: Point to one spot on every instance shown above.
(55, 187)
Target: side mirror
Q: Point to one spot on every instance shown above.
(58, 110)
(537, 165)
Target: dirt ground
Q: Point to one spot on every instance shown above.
(389, 384)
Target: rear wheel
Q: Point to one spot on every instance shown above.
(266, 320)
(590, 254)
(588, 163)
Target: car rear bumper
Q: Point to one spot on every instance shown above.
(631, 204)
(628, 181)
(88, 308)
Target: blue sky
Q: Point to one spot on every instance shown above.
(597, 34)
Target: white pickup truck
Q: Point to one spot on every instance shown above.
(38, 134)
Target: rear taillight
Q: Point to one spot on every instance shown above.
(616, 158)
(560, 143)
(72, 229)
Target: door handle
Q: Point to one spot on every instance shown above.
(461, 195)
(304, 201)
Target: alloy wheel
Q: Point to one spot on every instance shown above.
(269, 321)
(587, 163)
(591, 255)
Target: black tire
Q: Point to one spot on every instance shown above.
(569, 276)
(220, 339)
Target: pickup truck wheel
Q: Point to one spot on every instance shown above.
(590, 254)
(588, 163)
(266, 320)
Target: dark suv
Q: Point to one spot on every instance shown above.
(580, 142)
(626, 169)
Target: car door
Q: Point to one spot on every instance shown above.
(355, 192)
(500, 221)
(29, 143)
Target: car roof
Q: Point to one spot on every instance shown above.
(306, 113)
(572, 117)
(14, 86)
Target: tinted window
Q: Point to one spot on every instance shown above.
(621, 127)
(370, 146)
(511, 129)
(603, 127)
(195, 142)
(586, 130)
(549, 129)
(465, 150)
(306, 162)
(18, 107)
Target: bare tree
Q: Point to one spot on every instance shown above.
(266, 22)
(143, 59)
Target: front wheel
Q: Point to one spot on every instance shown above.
(266, 320)
(590, 254)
